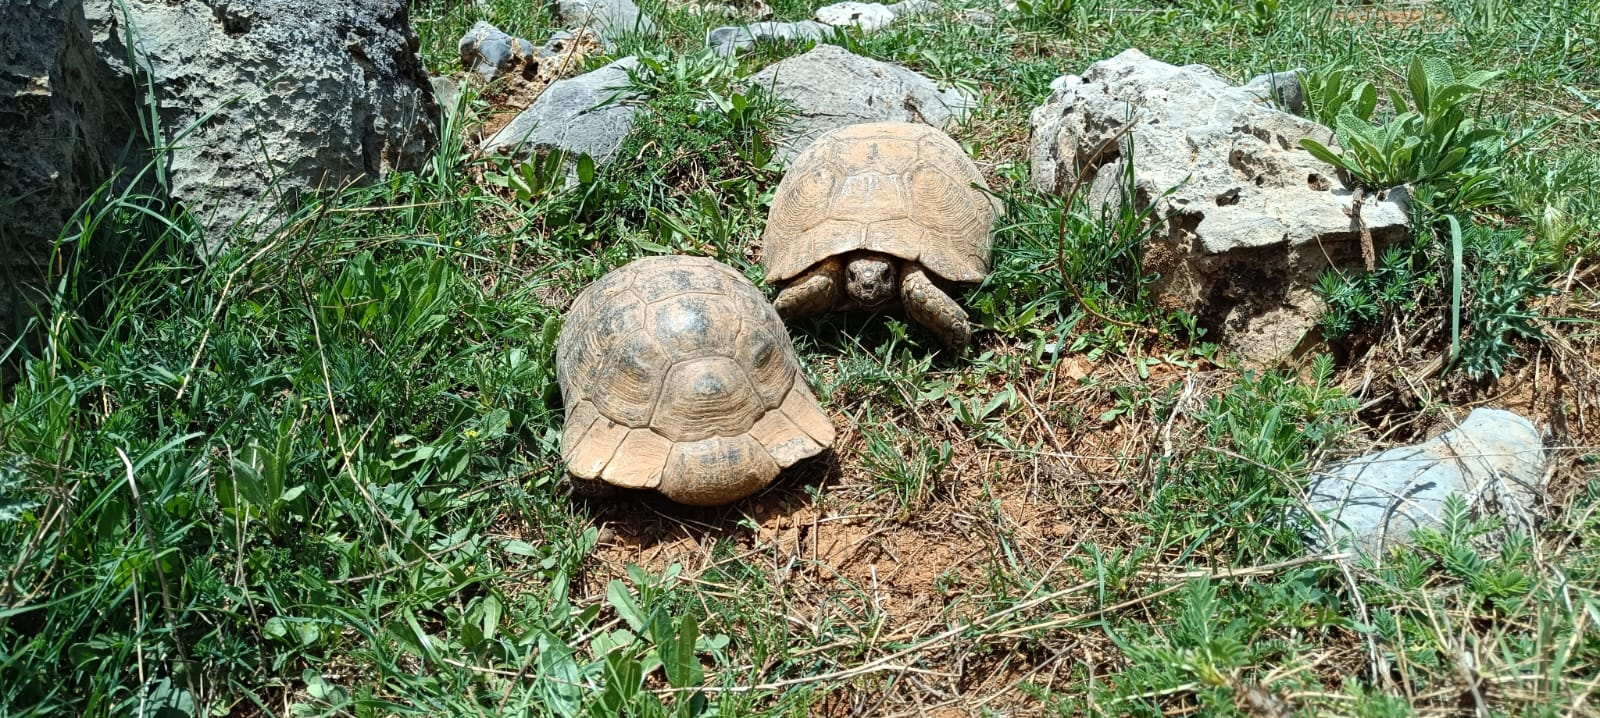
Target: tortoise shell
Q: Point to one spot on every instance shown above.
(678, 376)
(901, 188)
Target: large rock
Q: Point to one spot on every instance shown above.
(833, 88)
(63, 120)
(262, 100)
(574, 115)
(1495, 460)
(1251, 219)
(255, 101)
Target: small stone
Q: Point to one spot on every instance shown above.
(979, 17)
(867, 16)
(1495, 460)
(730, 39)
(446, 91)
(488, 51)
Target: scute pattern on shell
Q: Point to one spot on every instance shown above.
(677, 375)
(900, 188)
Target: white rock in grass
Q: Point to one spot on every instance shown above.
(867, 16)
(1495, 460)
(1245, 219)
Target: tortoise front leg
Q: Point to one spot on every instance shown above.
(932, 308)
(820, 289)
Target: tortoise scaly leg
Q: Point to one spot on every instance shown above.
(820, 289)
(932, 308)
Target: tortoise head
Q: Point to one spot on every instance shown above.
(870, 279)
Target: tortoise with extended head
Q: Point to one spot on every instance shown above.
(878, 214)
(678, 376)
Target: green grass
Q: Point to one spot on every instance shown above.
(319, 474)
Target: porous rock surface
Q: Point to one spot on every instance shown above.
(574, 115)
(490, 52)
(304, 95)
(1245, 219)
(833, 88)
(1495, 460)
(258, 100)
(59, 111)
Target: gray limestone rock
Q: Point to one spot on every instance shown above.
(258, 101)
(834, 88)
(574, 115)
(488, 51)
(730, 39)
(491, 53)
(63, 120)
(282, 98)
(1246, 218)
(1495, 460)
(610, 18)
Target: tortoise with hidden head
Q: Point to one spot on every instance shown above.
(870, 215)
(678, 376)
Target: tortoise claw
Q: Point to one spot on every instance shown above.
(932, 308)
(819, 290)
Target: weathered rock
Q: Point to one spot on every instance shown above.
(610, 18)
(730, 39)
(573, 115)
(257, 101)
(1495, 460)
(868, 16)
(63, 119)
(833, 88)
(525, 69)
(489, 51)
(1251, 218)
(282, 97)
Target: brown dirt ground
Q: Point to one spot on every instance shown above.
(1400, 15)
(924, 573)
